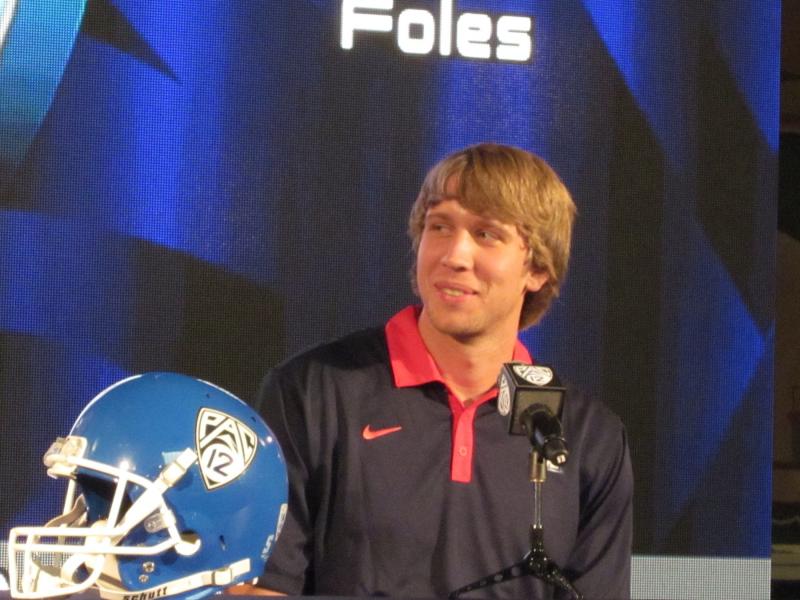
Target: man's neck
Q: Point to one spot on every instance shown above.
(469, 366)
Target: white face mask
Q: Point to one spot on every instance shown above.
(65, 556)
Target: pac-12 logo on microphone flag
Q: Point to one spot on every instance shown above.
(225, 447)
(503, 396)
(534, 374)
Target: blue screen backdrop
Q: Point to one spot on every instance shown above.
(211, 190)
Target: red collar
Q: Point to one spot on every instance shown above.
(411, 362)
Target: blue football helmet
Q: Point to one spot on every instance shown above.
(176, 488)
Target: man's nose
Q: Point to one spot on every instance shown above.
(459, 253)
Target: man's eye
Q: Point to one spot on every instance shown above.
(437, 227)
(488, 235)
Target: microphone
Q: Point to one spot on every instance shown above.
(530, 399)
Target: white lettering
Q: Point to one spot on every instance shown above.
(515, 40)
(416, 45)
(352, 21)
(477, 35)
(446, 27)
(148, 595)
(473, 32)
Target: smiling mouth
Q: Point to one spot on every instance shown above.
(454, 292)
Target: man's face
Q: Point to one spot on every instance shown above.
(472, 273)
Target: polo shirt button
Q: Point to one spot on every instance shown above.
(462, 450)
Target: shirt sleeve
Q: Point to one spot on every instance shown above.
(600, 565)
(281, 404)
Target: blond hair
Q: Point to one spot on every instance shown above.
(516, 187)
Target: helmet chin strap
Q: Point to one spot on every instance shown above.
(152, 498)
(111, 590)
(74, 517)
(93, 563)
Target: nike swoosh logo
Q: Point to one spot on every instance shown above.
(371, 434)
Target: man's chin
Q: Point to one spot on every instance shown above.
(462, 330)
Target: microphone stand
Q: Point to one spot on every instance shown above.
(535, 562)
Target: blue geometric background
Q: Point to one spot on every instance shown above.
(212, 190)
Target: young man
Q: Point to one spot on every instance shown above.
(403, 479)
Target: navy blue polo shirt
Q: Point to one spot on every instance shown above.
(396, 489)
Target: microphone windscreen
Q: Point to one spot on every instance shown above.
(520, 386)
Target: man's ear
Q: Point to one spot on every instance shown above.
(536, 280)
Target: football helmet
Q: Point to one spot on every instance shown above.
(175, 488)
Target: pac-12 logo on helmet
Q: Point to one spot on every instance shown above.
(225, 446)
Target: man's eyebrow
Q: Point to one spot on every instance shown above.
(492, 220)
(482, 220)
(435, 207)
(489, 221)
(432, 212)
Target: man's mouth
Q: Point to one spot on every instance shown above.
(452, 291)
